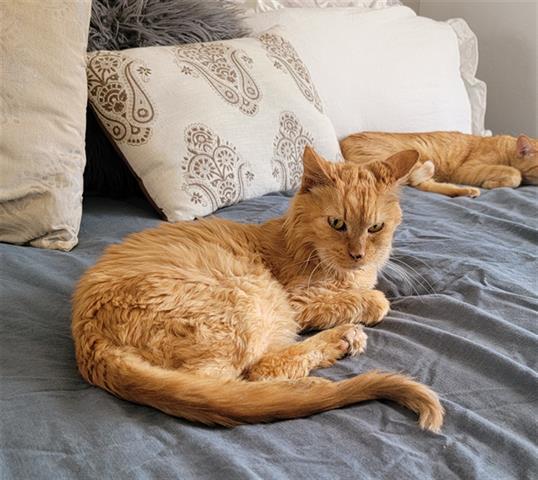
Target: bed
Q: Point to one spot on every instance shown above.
(463, 287)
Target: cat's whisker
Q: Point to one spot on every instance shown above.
(425, 283)
(330, 261)
(324, 261)
(422, 262)
(306, 262)
(409, 280)
(301, 262)
(418, 274)
(312, 273)
(395, 271)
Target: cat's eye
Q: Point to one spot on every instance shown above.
(338, 224)
(376, 227)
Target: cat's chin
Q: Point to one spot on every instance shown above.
(349, 267)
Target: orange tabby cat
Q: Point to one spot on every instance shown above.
(199, 319)
(487, 162)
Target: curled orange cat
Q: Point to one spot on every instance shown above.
(487, 162)
(200, 319)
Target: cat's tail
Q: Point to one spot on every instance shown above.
(229, 402)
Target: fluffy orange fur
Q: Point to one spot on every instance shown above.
(200, 319)
(487, 162)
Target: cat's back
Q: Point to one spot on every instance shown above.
(447, 150)
(368, 143)
(184, 251)
(368, 146)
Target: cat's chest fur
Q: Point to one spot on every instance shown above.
(363, 279)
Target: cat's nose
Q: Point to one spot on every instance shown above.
(356, 254)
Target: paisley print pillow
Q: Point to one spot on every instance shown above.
(207, 125)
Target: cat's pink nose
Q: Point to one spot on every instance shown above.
(356, 254)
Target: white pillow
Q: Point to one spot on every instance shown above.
(206, 125)
(267, 5)
(476, 89)
(379, 70)
(42, 120)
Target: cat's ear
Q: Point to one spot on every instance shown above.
(396, 168)
(317, 170)
(524, 146)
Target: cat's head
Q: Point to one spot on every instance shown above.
(347, 213)
(526, 160)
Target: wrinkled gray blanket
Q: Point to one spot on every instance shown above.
(464, 295)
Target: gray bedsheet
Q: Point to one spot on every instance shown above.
(463, 321)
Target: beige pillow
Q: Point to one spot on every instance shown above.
(209, 124)
(42, 120)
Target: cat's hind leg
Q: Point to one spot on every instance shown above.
(422, 179)
(448, 189)
(319, 351)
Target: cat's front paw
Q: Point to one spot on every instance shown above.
(510, 180)
(337, 342)
(472, 192)
(374, 308)
(347, 339)
(530, 173)
(355, 338)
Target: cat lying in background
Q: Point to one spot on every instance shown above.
(487, 162)
(200, 319)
